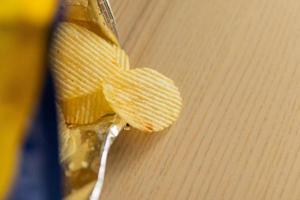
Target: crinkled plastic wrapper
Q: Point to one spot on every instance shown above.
(80, 152)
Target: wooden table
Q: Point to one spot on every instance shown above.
(237, 64)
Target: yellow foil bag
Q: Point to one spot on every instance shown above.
(23, 37)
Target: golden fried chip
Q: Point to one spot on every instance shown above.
(81, 59)
(144, 98)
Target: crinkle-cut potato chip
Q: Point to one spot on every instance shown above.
(81, 59)
(85, 109)
(87, 13)
(144, 98)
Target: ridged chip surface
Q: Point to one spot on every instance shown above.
(144, 98)
(81, 59)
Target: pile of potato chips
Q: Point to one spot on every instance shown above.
(95, 85)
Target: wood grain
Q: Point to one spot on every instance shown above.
(237, 65)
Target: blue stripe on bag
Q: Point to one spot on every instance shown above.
(39, 175)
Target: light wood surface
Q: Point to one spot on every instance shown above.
(237, 64)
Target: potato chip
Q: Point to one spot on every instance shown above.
(81, 59)
(144, 98)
